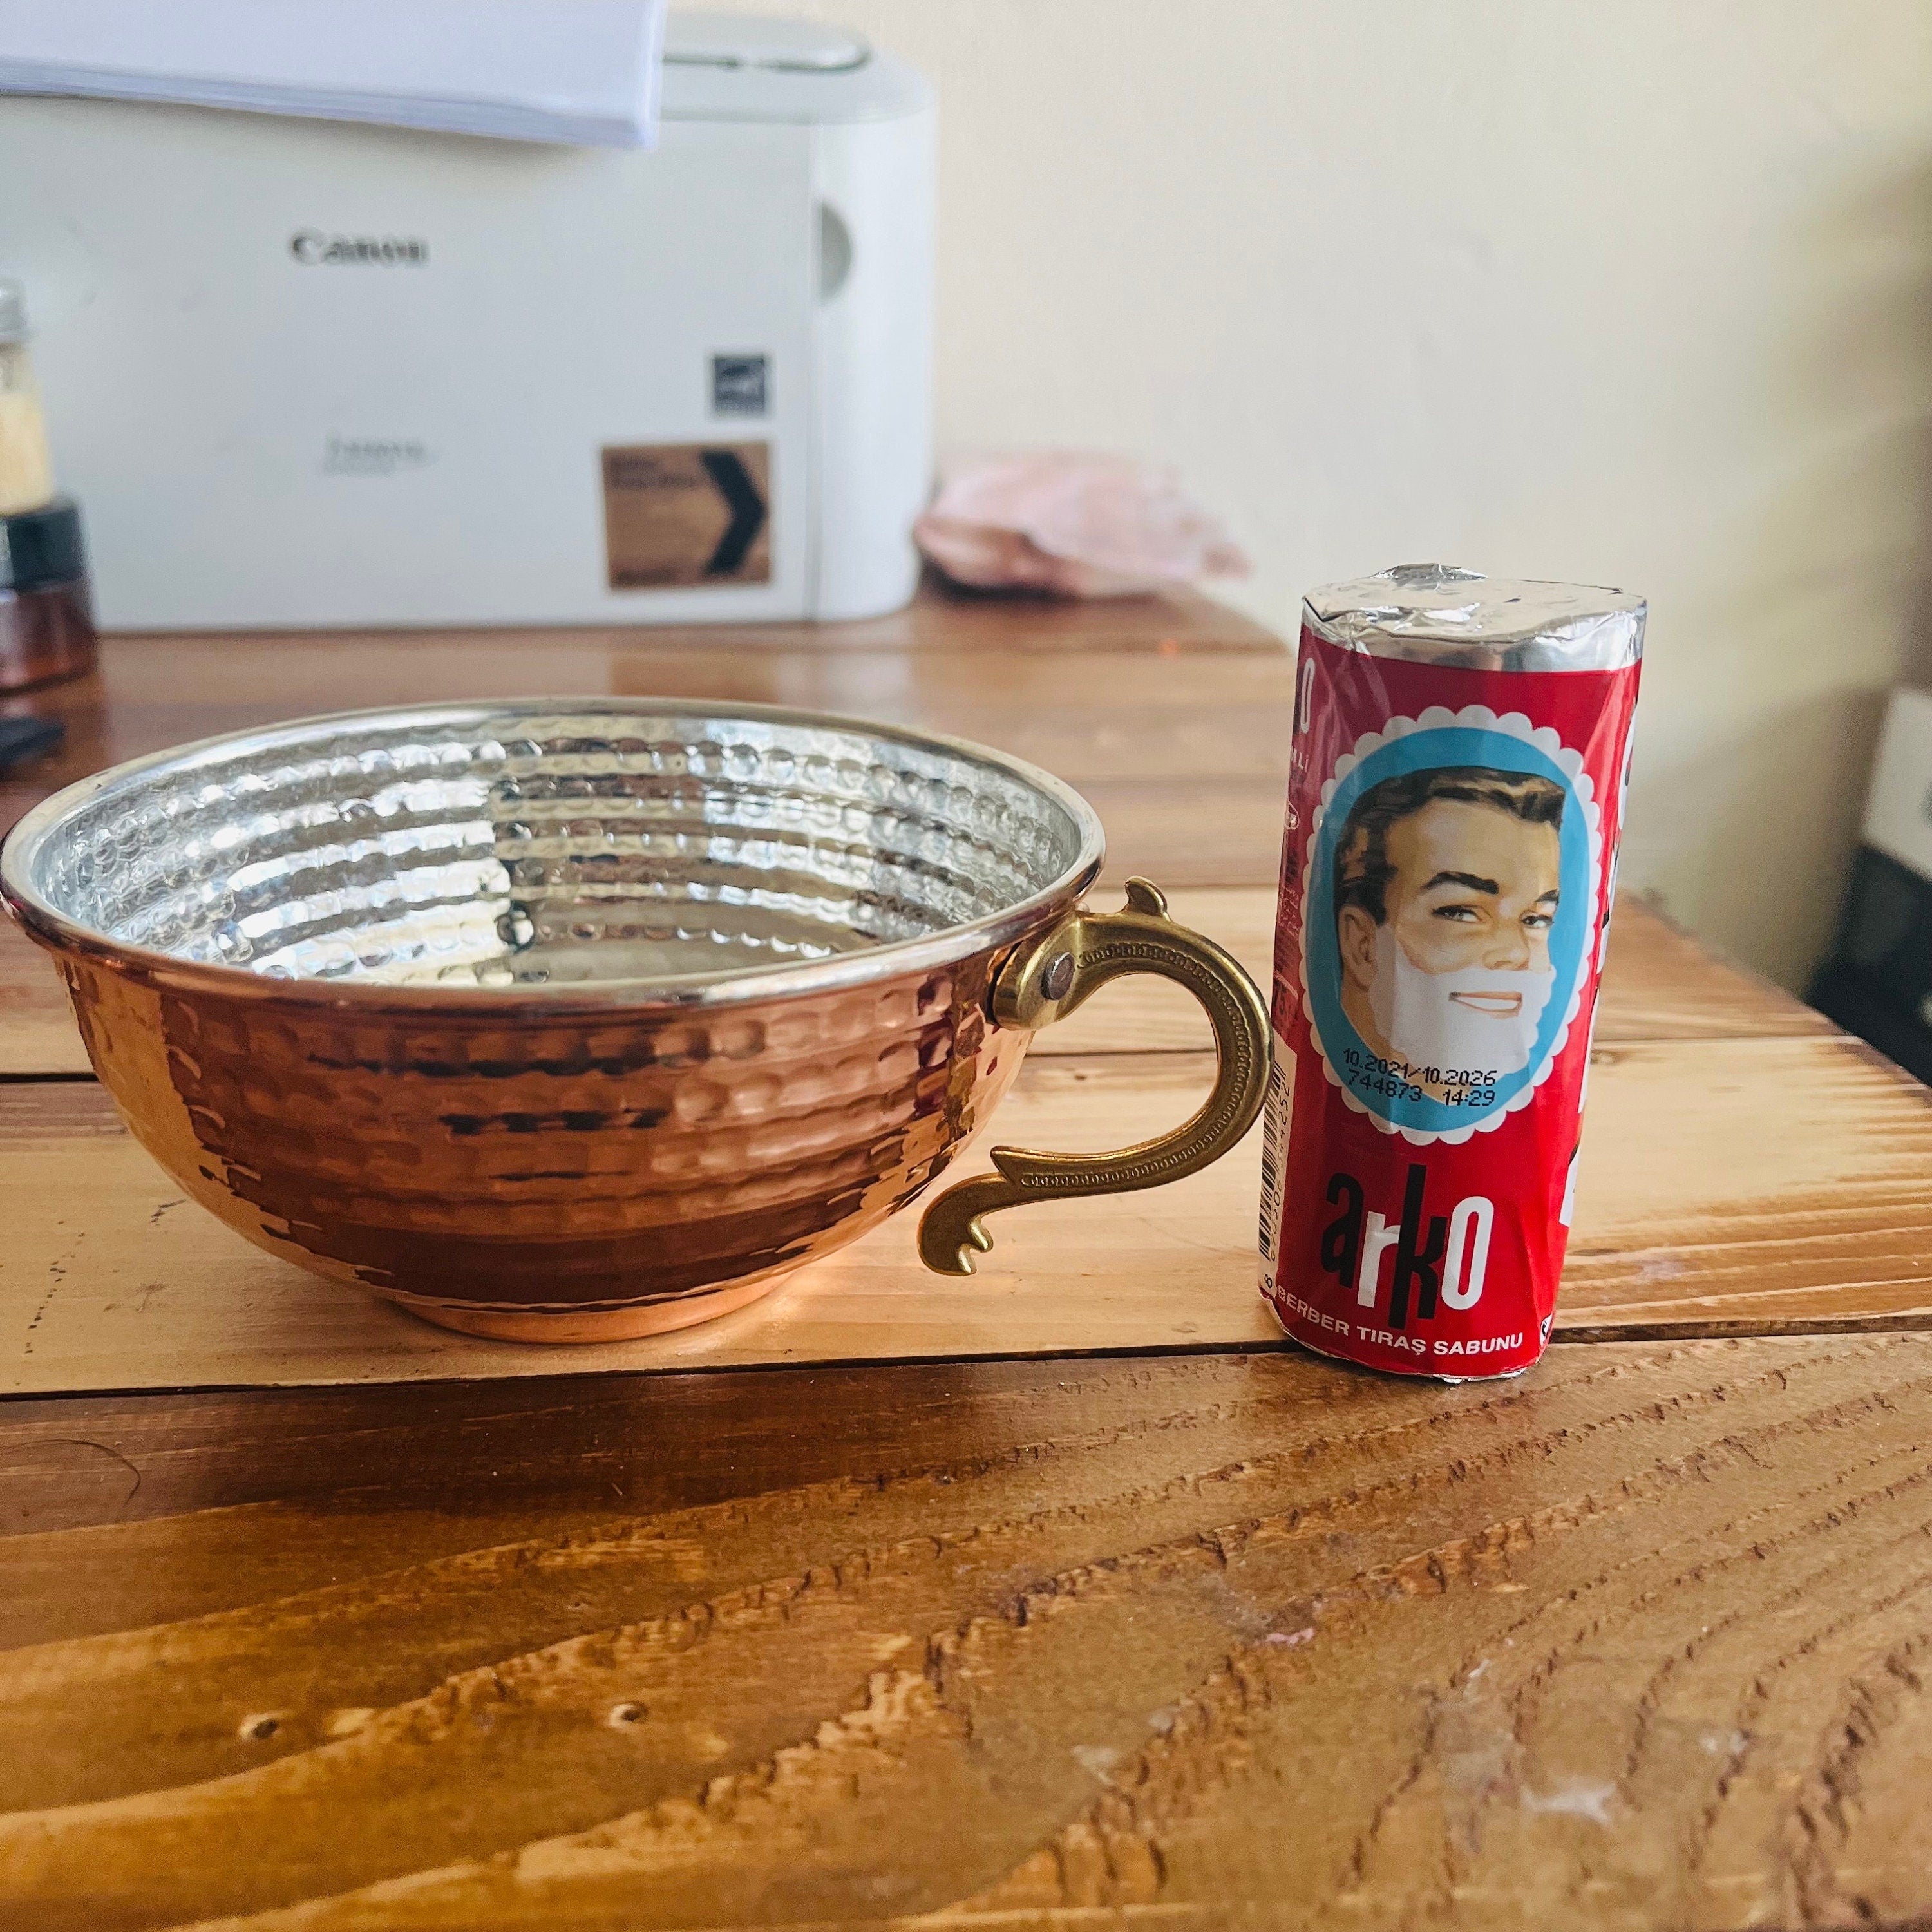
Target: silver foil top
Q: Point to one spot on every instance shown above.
(1436, 613)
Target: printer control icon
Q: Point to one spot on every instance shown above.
(740, 386)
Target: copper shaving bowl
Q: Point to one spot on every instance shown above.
(561, 1020)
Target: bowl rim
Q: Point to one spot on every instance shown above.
(59, 932)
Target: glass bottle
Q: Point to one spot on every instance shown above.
(26, 475)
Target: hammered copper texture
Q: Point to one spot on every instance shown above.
(554, 1168)
(455, 1080)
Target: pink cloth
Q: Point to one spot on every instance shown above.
(1077, 526)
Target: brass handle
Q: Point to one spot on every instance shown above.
(1043, 982)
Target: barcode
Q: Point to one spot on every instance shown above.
(1274, 1140)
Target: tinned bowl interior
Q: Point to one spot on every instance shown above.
(520, 846)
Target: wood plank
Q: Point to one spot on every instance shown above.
(1638, 1640)
(38, 1038)
(1660, 984)
(1037, 670)
(110, 1278)
(939, 619)
(1010, 677)
(1107, 715)
(1744, 1186)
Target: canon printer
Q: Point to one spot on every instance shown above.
(313, 373)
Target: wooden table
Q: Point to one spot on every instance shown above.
(1159, 1628)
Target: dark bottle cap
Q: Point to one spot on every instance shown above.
(42, 547)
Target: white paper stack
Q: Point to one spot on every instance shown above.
(584, 71)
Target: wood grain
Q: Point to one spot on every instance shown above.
(1729, 1186)
(1092, 687)
(1638, 1640)
(1663, 984)
(38, 1038)
(466, 1635)
(1660, 985)
(1104, 715)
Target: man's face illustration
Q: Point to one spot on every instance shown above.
(1457, 975)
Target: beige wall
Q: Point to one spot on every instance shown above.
(1628, 291)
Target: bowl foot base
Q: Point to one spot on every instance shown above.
(565, 1325)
